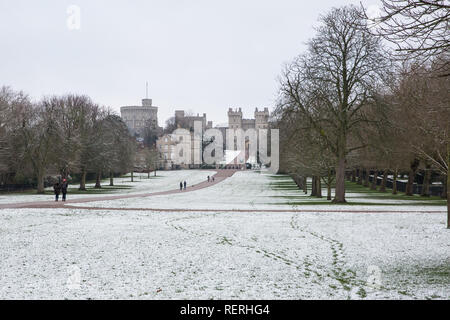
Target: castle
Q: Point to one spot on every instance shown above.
(140, 118)
(187, 121)
(137, 118)
(166, 144)
(235, 120)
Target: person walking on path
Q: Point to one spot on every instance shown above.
(64, 186)
(213, 178)
(57, 190)
(181, 186)
(184, 185)
(208, 178)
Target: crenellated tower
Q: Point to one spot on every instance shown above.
(234, 118)
(262, 119)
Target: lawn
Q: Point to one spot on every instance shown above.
(355, 195)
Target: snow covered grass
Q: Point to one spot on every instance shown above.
(355, 194)
(82, 254)
(164, 181)
(248, 190)
(315, 254)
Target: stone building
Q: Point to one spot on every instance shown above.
(167, 144)
(166, 148)
(236, 121)
(137, 118)
(187, 122)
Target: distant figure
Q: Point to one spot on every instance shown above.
(57, 190)
(213, 178)
(208, 178)
(64, 186)
(181, 186)
(185, 185)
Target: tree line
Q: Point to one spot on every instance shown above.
(348, 108)
(63, 136)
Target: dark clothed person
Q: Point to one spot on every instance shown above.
(64, 186)
(57, 190)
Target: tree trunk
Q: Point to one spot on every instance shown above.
(444, 189)
(329, 184)
(339, 196)
(148, 174)
(360, 173)
(40, 180)
(375, 180)
(354, 175)
(111, 178)
(329, 191)
(294, 177)
(83, 181)
(412, 174)
(394, 182)
(305, 185)
(383, 182)
(426, 181)
(366, 178)
(298, 181)
(98, 180)
(313, 187)
(448, 193)
(318, 187)
(132, 176)
(448, 185)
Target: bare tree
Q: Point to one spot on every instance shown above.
(89, 117)
(151, 157)
(425, 115)
(103, 158)
(71, 111)
(14, 107)
(418, 28)
(170, 125)
(115, 138)
(305, 152)
(334, 80)
(39, 132)
(57, 136)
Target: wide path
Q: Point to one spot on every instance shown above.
(218, 177)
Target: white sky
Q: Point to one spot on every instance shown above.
(198, 55)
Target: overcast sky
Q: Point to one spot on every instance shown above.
(198, 55)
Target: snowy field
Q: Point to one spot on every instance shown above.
(164, 181)
(84, 254)
(248, 190)
(118, 254)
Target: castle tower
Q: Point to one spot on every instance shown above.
(146, 102)
(235, 118)
(262, 119)
(138, 118)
